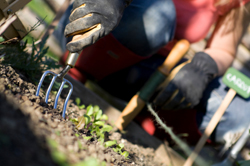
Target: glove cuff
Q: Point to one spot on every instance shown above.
(128, 2)
(206, 64)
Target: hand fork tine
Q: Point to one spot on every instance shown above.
(70, 63)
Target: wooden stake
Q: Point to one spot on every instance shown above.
(211, 126)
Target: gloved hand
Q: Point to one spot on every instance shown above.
(185, 85)
(93, 19)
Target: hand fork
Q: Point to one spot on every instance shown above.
(70, 63)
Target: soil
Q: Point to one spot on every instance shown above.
(33, 133)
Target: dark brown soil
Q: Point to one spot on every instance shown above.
(33, 133)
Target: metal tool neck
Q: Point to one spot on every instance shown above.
(64, 72)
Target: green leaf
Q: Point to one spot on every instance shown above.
(109, 143)
(78, 101)
(121, 146)
(87, 138)
(125, 154)
(81, 123)
(104, 117)
(81, 106)
(98, 115)
(77, 135)
(97, 130)
(58, 157)
(75, 121)
(115, 150)
(96, 108)
(101, 140)
(90, 110)
(99, 123)
(107, 128)
(87, 119)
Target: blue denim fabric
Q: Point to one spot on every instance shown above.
(146, 26)
(235, 119)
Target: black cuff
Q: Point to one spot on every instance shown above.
(206, 64)
(128, 2)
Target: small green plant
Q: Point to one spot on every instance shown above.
(118, 148)
(78, 103)
(94, 121)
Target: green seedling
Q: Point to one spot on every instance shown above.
(87, 138)
(94, 120)
(78, 103)
(109, 143)
(118, 148)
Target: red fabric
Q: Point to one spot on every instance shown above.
(181, 122)
(195, 17)
(104, 57)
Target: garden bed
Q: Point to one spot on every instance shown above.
(33, 133)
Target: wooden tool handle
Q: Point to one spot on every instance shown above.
(176, 54)
(136, 104)
(211, 126)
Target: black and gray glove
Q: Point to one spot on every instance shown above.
(93, 19)
(185, 85)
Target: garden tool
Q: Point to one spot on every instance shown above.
(70, 63)
(238, 83)
(139, 100)
(229, 161)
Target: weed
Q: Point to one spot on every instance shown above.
(31, 63)
(78, 103)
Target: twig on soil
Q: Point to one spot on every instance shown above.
(169, 131)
